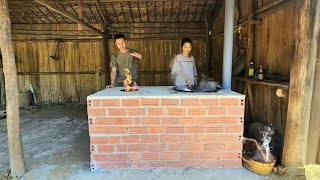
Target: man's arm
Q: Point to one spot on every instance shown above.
(113, 75)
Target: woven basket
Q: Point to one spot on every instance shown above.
(258, 167)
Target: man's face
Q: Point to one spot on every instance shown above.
(121, 44)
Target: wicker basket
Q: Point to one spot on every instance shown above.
(258, 167)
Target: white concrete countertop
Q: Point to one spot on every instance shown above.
(159, 91)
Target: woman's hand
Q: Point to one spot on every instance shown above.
(188, 81)
(136, 55)
(110, 86)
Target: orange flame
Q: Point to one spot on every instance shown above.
(128, 81)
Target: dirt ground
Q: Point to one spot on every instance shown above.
(56, 146)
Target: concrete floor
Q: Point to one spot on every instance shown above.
(56, 146)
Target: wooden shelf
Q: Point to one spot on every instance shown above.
(284, 85)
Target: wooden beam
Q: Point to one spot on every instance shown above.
(103, 1)
(302, 70)
(269, 5)
(11, 86)
(69, 15)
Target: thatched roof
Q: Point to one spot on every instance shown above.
(113, 11)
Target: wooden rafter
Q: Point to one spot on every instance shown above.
(74, 11)
(43, 14)
(34, 13)
(163, 11)
(155, 11)
(196, 9)
(51, 14)
(16, 19)
(69, 15)
(179, 11)
(130, 12)
(21, 16)
(124, 16)
(202, 10)
(89, 7)
(114, 13)
(62, 16)
(171, 13)
(188, 11)
(100, 11)
(26, 14)
(215, 11)
(65, 10)
(148, 19)
(139, 11)
(108, 20)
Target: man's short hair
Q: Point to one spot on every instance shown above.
(119, 36)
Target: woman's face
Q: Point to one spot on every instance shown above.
(186, 48)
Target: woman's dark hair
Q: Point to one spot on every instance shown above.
(186, 40)
(119, 36)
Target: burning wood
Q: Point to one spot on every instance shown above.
(128, 81)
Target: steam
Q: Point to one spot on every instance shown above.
(207, 85)
(266, 139)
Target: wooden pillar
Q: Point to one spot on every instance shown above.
(105, 52)
(318, 156)
(207, 64)
(314, 125)
(302, 70)
(10, 74)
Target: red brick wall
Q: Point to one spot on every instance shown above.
(144, 132)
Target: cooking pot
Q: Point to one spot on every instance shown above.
(194, 88)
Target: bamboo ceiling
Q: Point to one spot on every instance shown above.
(113, 11)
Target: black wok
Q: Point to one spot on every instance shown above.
(194, 88)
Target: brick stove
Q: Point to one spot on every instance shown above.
(159, 127)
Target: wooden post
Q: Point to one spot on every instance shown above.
(106, 51)
(10, 74)
(207, 65)
(318, 156)
(2, 87)
(314, 125)
(302, 72)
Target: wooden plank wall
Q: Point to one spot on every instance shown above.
(80, 71)
(273, 48)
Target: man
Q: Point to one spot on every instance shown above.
(122, 59)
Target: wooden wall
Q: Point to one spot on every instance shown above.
(272, 48)
(80, 70)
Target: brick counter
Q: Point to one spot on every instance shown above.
(159, 127)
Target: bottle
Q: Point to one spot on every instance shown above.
(260, 73)
(251, 70)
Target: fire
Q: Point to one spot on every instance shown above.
(128, 81)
